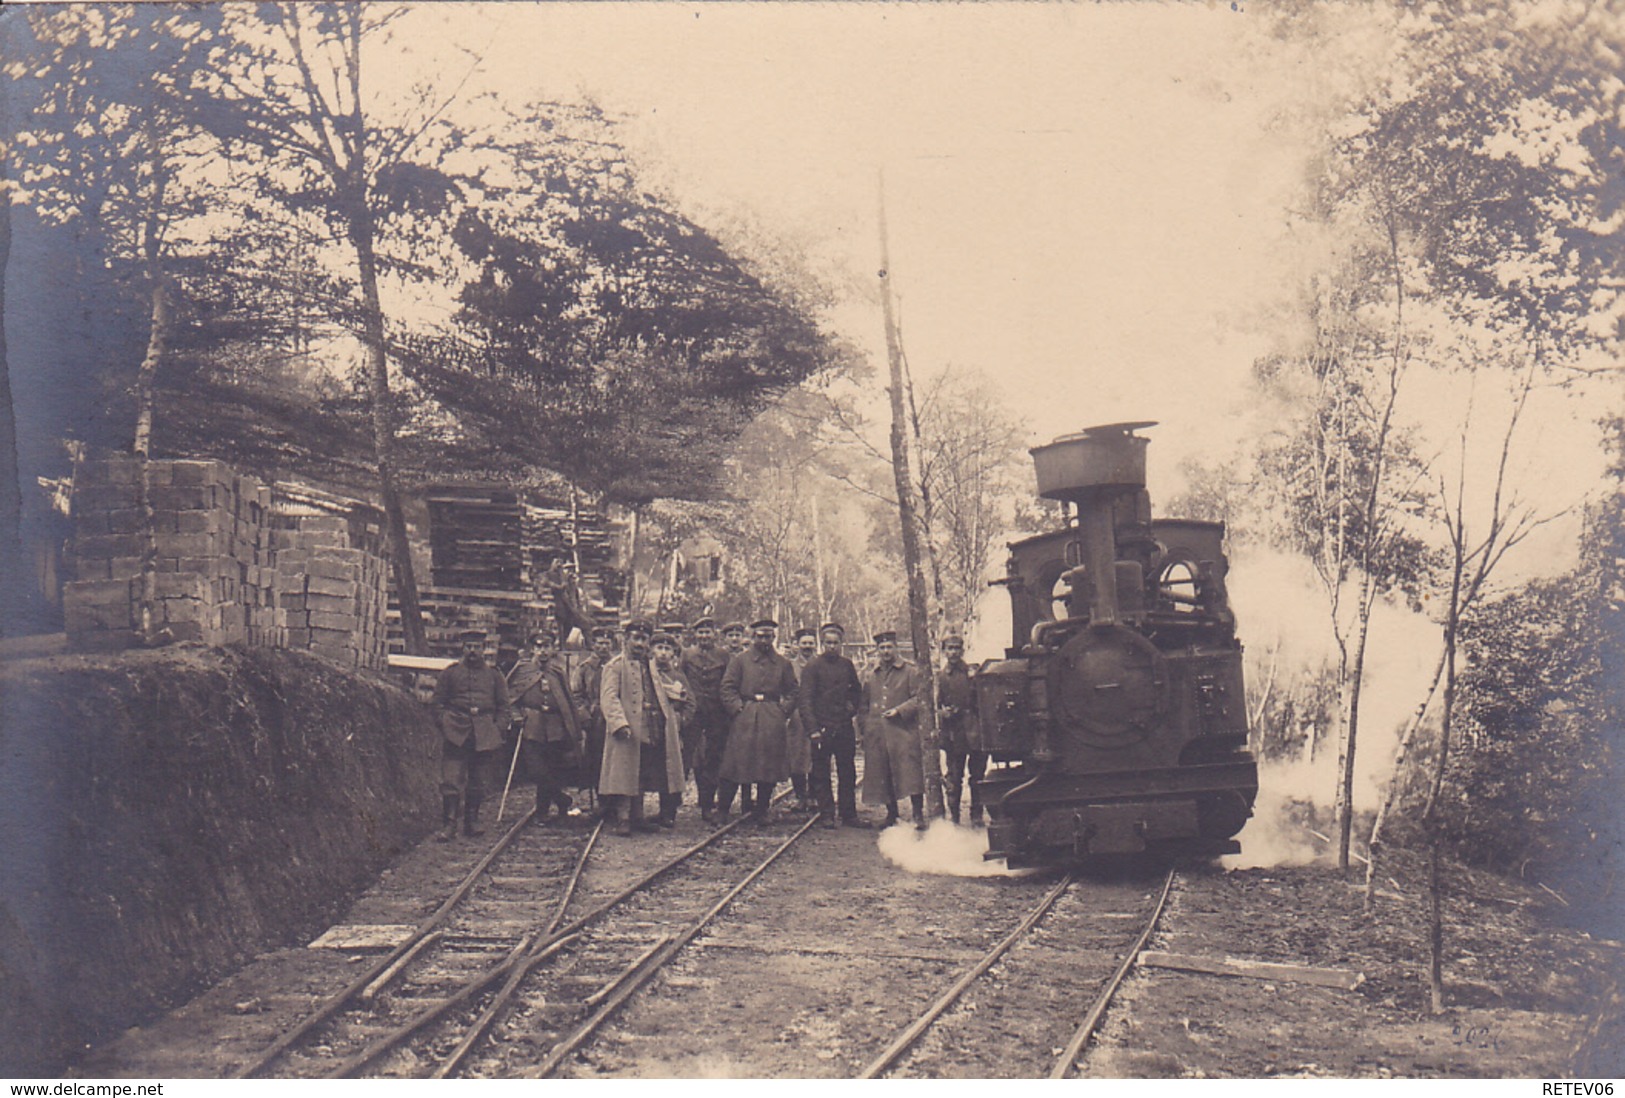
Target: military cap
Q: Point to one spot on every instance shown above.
(540, 638)
(471, 635)
(603, 631)
(805, 632)
(663, 637)
(764, 623)
(835, 625)
(954, 638)
(886, 635)
(675, 628)
(734, 627)
(638, 625)
(705, 623)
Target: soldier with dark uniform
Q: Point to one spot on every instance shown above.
(960, 729)
(585, 689)
(830, 698)
(800, 744)
(759, 689)
(642, 751)
(552, 741)
(702, 665)
(472, 699)
(734, 641)
(892, 760)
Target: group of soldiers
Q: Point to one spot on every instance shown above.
(644, 715)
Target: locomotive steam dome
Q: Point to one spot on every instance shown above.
(1074, 467)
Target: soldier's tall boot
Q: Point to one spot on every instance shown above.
(668, 810)
(954, 801)
(471, 820)
(917, 803)
(448, 817)
(975, 808)
(621, 812)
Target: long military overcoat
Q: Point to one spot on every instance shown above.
(620, 696)
(892, 759)
(473, 701)
(759, 690)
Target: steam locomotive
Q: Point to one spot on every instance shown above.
(1116, 722)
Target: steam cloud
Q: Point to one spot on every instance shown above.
(946, 850)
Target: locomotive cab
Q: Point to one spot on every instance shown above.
(1117, 719)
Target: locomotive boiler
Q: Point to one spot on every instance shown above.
(1116, 722)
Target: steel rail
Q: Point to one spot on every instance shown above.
(541, 947)
(558, 1052)
(337, 1001)
(1091, 1021)
(947, 999)
(464, 995)
(518, 972)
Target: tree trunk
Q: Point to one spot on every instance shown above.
(157, 341)
(632, 564)
(1374, 843)
(17, 593)
(1430, 815)
(1345, 817)
(913, 562)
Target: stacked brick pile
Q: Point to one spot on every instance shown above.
(230, 567)
(211, 550)
(332, 587)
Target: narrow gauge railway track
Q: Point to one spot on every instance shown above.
(544, 1013)
(462, 970)
(1089, 966)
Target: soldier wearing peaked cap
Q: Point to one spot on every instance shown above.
(552, 742)
(703, 664)
(760, 691)
(471, 698)
(799, 734)
(830, 698)
(642, 751)
(892, 758)
(960, 729)
(584, 687)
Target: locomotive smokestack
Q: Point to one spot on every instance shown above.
(1092, 470)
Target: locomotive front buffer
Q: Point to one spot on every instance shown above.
(1117, 719)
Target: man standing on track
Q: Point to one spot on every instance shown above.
(800, 743)
(552, 742)
(642, 752)
(588, 678)
(759, 690)
(961, 730)
(892, 760)
(734, 641)
(472, 699)
(703, 665)
(830, 699)
(668, 677)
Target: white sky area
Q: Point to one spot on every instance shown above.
(1088, 203)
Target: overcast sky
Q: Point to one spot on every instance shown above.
(1089, 203)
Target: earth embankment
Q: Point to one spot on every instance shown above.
(166, 815)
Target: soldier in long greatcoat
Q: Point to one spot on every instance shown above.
(960, 729)
(643, 751)
(588, 677)
(552, 742)
(892, 759)
(759, 689)
(800, 745)
(471, 699)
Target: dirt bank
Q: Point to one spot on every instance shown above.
(167, 815)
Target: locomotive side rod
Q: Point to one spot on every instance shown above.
(1091, 1022)
(949, 997)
